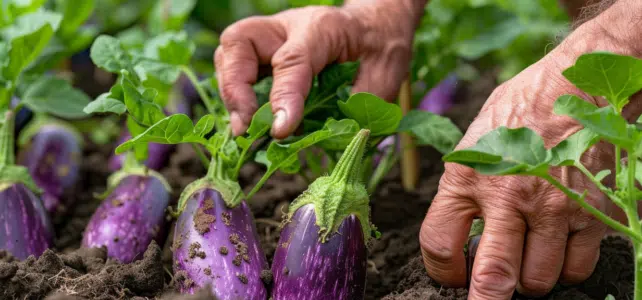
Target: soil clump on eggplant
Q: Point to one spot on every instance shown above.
(395, 270)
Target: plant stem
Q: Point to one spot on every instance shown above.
(594, 211)
(618, 162)
(7, 143)
(387, 162)
(194, 80)
(201, 155)
(631, 211)
(607, 191)
(410, 155)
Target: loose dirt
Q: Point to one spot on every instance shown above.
(395, 270)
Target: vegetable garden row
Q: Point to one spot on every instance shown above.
(154, 96)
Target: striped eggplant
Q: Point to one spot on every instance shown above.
(52, 156)
(130, 217)
(25, 228)
(217, 244)
(322, 249)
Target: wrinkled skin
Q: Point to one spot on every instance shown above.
(204, 228)
(53, 159)
(25, 228)
(305, 268)
(129, 218)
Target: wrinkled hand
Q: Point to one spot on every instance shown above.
(298, 44)
(533, 235)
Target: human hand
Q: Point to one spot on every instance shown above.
(299, 43)
(533, 234)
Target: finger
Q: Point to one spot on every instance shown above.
(582, 254)
(498, 261)
(544, 250)
(383, 74)
(244, 46)
(444, 233)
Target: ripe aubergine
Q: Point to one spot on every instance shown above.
(130, 218)
(25, 228)
(218, 245)
(53, 159)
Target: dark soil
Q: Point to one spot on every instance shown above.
(395, 270)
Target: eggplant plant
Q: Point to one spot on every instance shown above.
(520, 151)
(25, 34)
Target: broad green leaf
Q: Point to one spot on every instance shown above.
(323, 97)
(171, 48)
(372, 112)
(344, 129)
(169, 15)
(57, 97)
(570, 150)
(261, 157)
(505, 151)
(604, 121)
(104, 104)
(132, 38)
(431, 129)
(75, 13)
(108, 54)
(174, 129)
(24, 47)
(261, 123)
(30, 23)
(204, 125)
(613, 76)
(141, 106)
(16, 8)
(166, 73)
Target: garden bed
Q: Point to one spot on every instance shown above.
(395, 270)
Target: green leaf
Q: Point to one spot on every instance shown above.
(171, 48)
(169, 15)
(570, 150)
(613, 76)
(25, 44)
(605, 121)
(431, 129)
(323, 97)
(602, 174)
(141, 106)
(344, 129)
(372, 112)
(104, 104)
(174, 129)
(204, 125)
(261, 157)
(57, 97)
(17, 8)
(141, 150)
(261, 123)
(166, 73)
(108, 54)
(505, 151)
(75, 13)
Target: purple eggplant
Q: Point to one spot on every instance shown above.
(25, 228)
(53, 157)
(474, 237)
(218, 245)
(157, 155)
(322, 249)
(130, 218)
(440, 98)
(22, 117)
(304, 268)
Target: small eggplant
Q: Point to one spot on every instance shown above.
(157, 155)
(53, 157)
(440, 98)
(130, 218)
(321, 252)
(474, 236)
(22, 117)
(25, 228)
(304, 268)
(218, 245)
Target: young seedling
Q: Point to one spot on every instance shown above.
(521, 151)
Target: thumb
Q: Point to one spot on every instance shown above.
(383, 73)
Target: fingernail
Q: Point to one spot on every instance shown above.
(279, 121)
(238, 127)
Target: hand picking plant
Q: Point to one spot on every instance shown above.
(521, 151)
(26, 31)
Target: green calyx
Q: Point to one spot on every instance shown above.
(341, 194)
(131, 167)
(229, 190)
(41, 120)
(10, 173)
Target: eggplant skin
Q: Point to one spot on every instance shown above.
(25, 228)
(304, 268)
(157, 156)
(218, 245)
(473, 243)
(129, 218)
(53, 159)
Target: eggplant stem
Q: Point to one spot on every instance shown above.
(7, 146)
(410, 156)
(348, 169)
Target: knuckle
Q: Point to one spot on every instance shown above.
(230, 93)
(494, 275)
(293, 55)
(432, 245)
(575, 274)
(535, 286)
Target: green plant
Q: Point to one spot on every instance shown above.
(521, 151)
